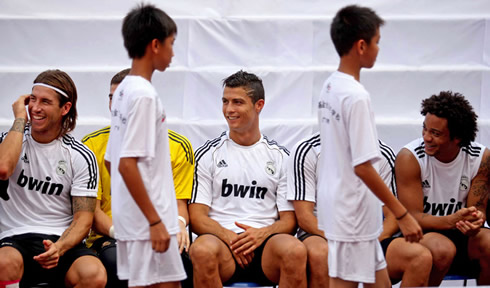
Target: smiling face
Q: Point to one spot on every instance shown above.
(437, 139)
(241, 114)
(45, 114)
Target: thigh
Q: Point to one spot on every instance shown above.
(438, 244)
(274, 252)
(479, 245)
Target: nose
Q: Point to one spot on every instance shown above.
(427, 137)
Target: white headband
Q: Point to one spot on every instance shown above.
(52, 87)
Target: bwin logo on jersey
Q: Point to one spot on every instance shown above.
(242, 190)
(464, 185)
(34, 184)
(270, 168)
(441, 209)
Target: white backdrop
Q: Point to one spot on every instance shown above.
(426, 47)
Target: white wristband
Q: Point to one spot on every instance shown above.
(183, 220)
(111, 231)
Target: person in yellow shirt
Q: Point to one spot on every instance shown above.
(101, 238)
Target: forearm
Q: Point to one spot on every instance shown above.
(102, 222)
(182, 207)
(430, 222)
(11, 148)
(306, 219)
(132, 178)
(285, 224)
(76, 232)
(390, 226)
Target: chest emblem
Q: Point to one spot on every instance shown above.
(270, 168)
(464, 185)
(61, 169)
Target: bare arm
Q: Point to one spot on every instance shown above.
(11, 146)
(480, 186)
(306, 219)
(183, 236)
(128, 167)
(390, 225)
(408, 225)
(102, 222)
(83, 213)
(410, 193)
(252, 238)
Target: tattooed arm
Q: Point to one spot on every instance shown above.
(478, 197)
(11, 145)
(83, 214)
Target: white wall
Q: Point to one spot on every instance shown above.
(426, 47)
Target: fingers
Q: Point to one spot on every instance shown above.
(181, 242)
(243, 226)
(19, 108)
(50, 258)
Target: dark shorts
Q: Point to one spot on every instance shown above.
(253, 272)
(308, 235)
(103, 243)
(462, 264)
(30, 245)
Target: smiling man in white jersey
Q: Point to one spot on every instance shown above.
(443, 179)
(48, 191)
(238, 205)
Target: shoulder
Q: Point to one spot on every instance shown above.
(77, 148)
(178, 139)
(307, 145)
(474, 149)
(386, 151)
(210, 145)
(272, 144)
(104, 132)
(181, 145)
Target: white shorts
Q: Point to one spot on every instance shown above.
(142, 266)
(355, 261)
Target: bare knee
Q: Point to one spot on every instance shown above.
(294, 256)
(202, 253)
(11, 264)
(86, 271)
(443, 254)
(317, 257)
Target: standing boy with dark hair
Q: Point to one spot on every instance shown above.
(138, 154)
(443, 179)
(48, 190)
(348, 213)
(239, 206)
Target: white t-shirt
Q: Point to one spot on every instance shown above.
(246, 184)
(446, 185)
(302, 170)
(37, 198)
(139, 129)
(347, 209)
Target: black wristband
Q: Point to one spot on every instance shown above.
(403, 215)
(155, 223)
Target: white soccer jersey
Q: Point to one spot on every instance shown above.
(302, 170)
(347, 209)
(246, 184)
(446, 185)
(37, 196)
(139, 129)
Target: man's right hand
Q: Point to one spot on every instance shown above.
(160, 239)
(410, 228)
(469, 220)
(19, 107)
(242, 260)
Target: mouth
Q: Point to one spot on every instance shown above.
(231, 118)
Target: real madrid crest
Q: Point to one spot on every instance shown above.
(270, 168)
(61, 169)
(464, 185)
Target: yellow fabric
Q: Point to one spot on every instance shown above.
(181, 155)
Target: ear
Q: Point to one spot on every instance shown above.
(259, 105)
(154, 45)
(361, 46)
(65, 108)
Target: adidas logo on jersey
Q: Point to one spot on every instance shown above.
(242, 190)
(441, 209)
(425, 184)
(34, 184)
(24, 158)
(222, 164)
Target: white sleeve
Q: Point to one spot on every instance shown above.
(302, 173)
(386, 166)
(85, 172)
(362, 133)
(139, 138)
(282, 188)
(202, 187)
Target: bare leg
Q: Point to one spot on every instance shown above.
(479, 248)
(284, 261)
(86, 271)
(317, 249)
(443, 252)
